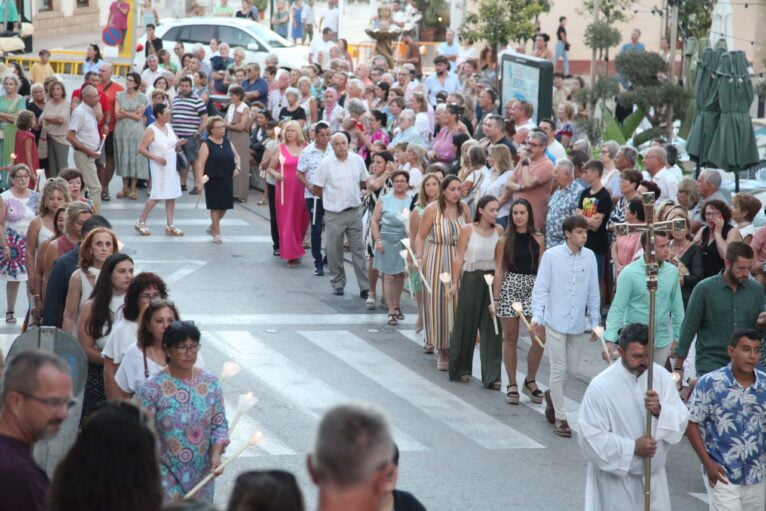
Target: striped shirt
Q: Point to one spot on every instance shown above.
(187, 115)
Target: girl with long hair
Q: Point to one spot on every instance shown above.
(517, 259)
(428, 192)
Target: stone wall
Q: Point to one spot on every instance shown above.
(55, 23)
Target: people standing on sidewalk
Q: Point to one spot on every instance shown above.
(189, 115)
(428, 192)
(159, 145)
(308, 167)
(436, 248)
(85, 139)
(388, 229)
(11, 103)
(129, 108)
(733, 476)
(475, 259)
(55, 122)
(219, 161)
(517, 262)
(237, 121)
(292, 217)
(109, 90)
(565, 303)
(341, 177)
(562, 46)
(612, 422)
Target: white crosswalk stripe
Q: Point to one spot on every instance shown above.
(572, 406)
(159, 237)
(309, 393)
(291, 319)
(428, 397)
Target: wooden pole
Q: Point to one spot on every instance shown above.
(596, 8)
(673, 22)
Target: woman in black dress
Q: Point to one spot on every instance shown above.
(715, 236)
(219, 161)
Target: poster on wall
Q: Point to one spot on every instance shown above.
(119, 36)
(526, 78)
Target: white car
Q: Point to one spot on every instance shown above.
(257, 40)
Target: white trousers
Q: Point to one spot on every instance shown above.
(736, 497)
(564, 352)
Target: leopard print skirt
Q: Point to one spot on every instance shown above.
(516, 287)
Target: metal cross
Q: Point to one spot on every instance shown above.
(652, 269)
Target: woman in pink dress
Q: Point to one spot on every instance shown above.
(292, 216)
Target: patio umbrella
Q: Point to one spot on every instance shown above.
(708, 110)
(722, 26)
(733, 147)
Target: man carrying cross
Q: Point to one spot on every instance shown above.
(631, 300)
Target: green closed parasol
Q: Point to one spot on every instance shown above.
(708, 111)
(733, 147)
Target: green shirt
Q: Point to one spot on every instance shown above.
(631, 303)
(714, 312)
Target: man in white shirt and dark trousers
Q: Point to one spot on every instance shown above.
(308, 166)
(565, 304)
(339, 182)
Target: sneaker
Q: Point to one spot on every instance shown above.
(105, 197)
(364, 294)
(370, 302)
(318, 271)
(193, 191)
(338, 291)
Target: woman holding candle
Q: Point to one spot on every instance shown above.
(292, 216)
(388, 230)
(159, 145)
(144, 289)
(237, 121)
(18, 207)
(219, 162)
(98, 315)
(187, 404)
(475, 259)
(436, 247)
(517, 258)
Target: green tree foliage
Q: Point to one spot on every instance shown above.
(499, 21)
(610, 11)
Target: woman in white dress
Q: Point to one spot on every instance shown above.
(160, 145)
(99, 244)
(97, 318)
(145, 288)
(18, 208)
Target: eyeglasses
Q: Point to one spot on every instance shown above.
(187, 348)
(712, 213)
(51, 402)
(150, 297)
(21, 176)
(530, 144)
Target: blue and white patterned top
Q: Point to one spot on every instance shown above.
(732, 420)
(562, 204)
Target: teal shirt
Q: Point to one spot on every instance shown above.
(714, 312)
(631, 303)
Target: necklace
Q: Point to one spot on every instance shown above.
(157, 360)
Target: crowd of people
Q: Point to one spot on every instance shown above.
(487, 214)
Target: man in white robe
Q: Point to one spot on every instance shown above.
(612, 420)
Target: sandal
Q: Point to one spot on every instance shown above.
(133, 195)
(512, 396)
(428, 348)
(217, 239)
(172, 230)
(495, 385)
(122, 194)
(370, 302)
(9, 318)
(262, 202)
(536, 395)
(142, 229)
(392, 320)
(399, 314)
(466, 378)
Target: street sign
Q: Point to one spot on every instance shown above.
(112, 36)
(48, 453)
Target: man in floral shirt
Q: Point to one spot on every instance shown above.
(728, 417)
(562, 202)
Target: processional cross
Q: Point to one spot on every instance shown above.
(652, 269)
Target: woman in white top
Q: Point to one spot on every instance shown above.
(98, 316)
(475, 259)
(99, 244)
(423, 123)
(55, 196)
(145, 358)
(746, 206)
(477, 174)
(159, 145)
(499, 162)
(307, 101)
(145, 288)
(415, 155)
(610, 179)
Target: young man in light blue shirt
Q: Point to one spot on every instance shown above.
(565, 305)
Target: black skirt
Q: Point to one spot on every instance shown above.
(219, 193)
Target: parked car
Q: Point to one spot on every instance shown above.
(257, 40)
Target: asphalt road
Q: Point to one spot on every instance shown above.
(303, 350)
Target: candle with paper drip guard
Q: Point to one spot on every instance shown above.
(408, 246)
(403, 253)
(599, 331)
(314, 212)
(40, 174)
(230, 369)
(489, 279)
(101, 145)
(519, 309)
(446, 279)
(205, 179)
(244, 404)
(282, 184)
(404, 215)
(254, 440)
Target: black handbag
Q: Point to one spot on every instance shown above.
(182, 162)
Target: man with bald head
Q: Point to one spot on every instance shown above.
(108, 90)
(341, 177)
(655, 163)
(36, 398)
(85, 139)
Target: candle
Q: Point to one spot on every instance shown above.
(446, 279)
(204, 180)
(244, 404)
(406, 243)
(519, 309)
(599, 332)
(230, 369)
(489, 279)
(403, 253)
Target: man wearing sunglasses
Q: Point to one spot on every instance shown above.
(36, 397)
